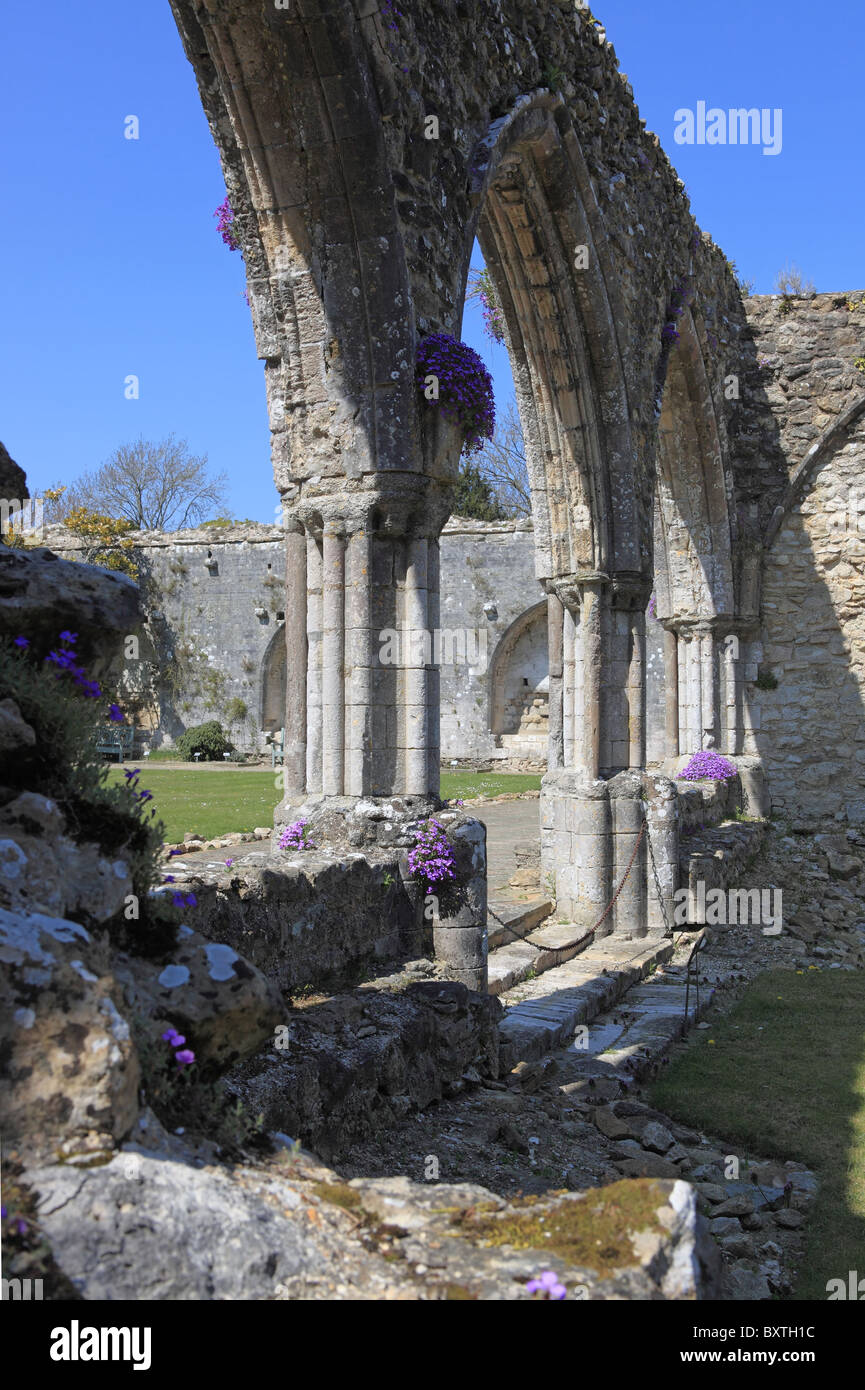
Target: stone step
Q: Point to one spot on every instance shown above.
(543, 1014)
(541, 950)
(517, 919)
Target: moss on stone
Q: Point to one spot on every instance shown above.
(592, 1232)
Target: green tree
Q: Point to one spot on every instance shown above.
(473, 495)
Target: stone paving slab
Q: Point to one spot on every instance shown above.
(546, 1012)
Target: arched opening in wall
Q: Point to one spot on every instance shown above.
(519, 682)
(272, 684)
(690, 652)
(487, 573)
(544, 244)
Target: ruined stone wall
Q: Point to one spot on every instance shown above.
(810, 730)
(215, 601)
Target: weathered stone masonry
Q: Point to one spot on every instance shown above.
(625, 328)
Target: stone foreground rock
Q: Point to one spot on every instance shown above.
(152, 1225)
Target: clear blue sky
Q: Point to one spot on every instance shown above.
(112, 264)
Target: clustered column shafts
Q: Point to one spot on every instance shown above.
(359, 722)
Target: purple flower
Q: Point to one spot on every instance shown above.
(145, 796)
(547, 1285)
(294, 836)
(21, 1227)
(169, 1034)
(178, 1040)
(228, 863)
(115, 713)
(168, 878)
(185, 1058)
(225, 225)
(465, 386)
(21, 642)
(173, 852)
(707, 763)
(68, 637)
(4, 1212)
(132, 772)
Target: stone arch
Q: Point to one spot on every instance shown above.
(272, 683)
(692, 676)
(692, 533)
(504, 716)
(802, 477)
(561, 333)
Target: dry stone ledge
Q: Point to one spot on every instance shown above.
(69, 1080)
(210, 993)
(306, 918)
(355, 1062)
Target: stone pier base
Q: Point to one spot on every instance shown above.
(590, 835)
(449, 919)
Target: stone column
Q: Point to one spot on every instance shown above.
(333, 660)
(732, 694)
(695, 701)
(671, 694)
(592, 653)
(294, 751)
(313, 669)
(662, 816)
(628, 916)
(460, 922)
(555, 631)
(637, 691)
(360, 663)
(570, 732)
(433, 715)
(708, 689)
(416, 657)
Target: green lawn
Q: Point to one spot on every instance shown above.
(783, 1077)
(217, 801)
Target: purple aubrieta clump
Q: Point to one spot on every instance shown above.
(546, 1286)
(225, 225)
(294, 836)
(708, 764)
(465, 387)
(431, 857)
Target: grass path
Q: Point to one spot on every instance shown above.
(215, 801)
(783, 1076)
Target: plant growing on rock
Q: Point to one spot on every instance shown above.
(431, 858)
(181, 1093)
(707, 763)
(461, 386)
(225, 225)
(294, 836)
(65, 708)
(481, 287)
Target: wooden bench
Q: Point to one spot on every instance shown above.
(277, 749)
(115, 740)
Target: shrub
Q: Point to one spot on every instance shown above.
(207, 739)
(65, 710)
